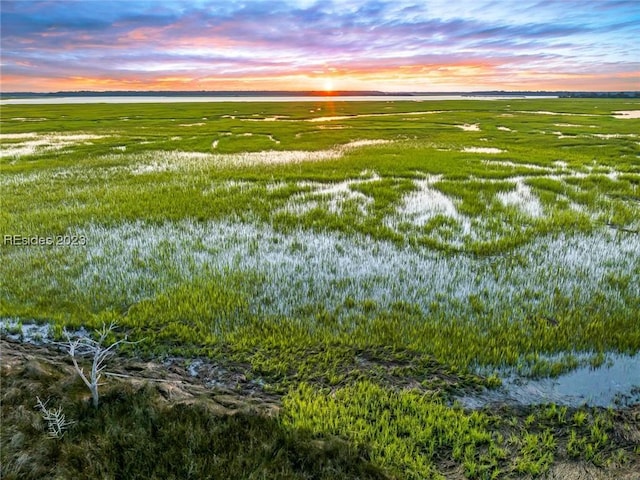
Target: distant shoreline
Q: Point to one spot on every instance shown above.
(318, 93)
(71, 97)
(80, 99)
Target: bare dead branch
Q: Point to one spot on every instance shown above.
(87, 346)
(56, 420)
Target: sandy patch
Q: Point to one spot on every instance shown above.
(562, 114)
(469, 127)
(22, 119)
(505, 129)
(199, 124)
(335, 117)
(332, 127)
(627, 114)
(491, 150)
(364, 143)
(561, 135)
(267, 119)
(608, 136)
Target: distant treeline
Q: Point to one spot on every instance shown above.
(600, 95)
(199, 93)
(560, 94)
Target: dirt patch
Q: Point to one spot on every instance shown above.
(581, 471)
(224, 390)
(152, 422)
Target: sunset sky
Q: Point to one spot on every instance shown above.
(433, 45)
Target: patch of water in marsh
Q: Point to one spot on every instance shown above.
(523, 198)
(335, 195)
(616, 382)
(33, 333)
(608, 136)
(421, 205)
(33, 143)
(363, 115)
(510, 164)
(117, 261)
(568, 114)
(28, 332)
(163, 160)
(23, 119)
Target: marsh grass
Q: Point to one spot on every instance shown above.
(304, 249)
(136, 433)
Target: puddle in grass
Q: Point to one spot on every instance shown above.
(26, 332)
(34, 333)
(616, 383)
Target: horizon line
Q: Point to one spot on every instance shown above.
(322, 93)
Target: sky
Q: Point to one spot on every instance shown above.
(393, 46)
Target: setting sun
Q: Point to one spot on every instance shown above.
(396, 46)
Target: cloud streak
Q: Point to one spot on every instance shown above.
(254, 45)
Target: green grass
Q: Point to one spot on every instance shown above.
(137, 434)
(359, 430)
(368, 258)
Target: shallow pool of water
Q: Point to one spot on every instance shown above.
(270, 98)
(615, 383)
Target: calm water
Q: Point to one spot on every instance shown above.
(180, 99)
(615, 382)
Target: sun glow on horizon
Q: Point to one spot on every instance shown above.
(492, 46)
